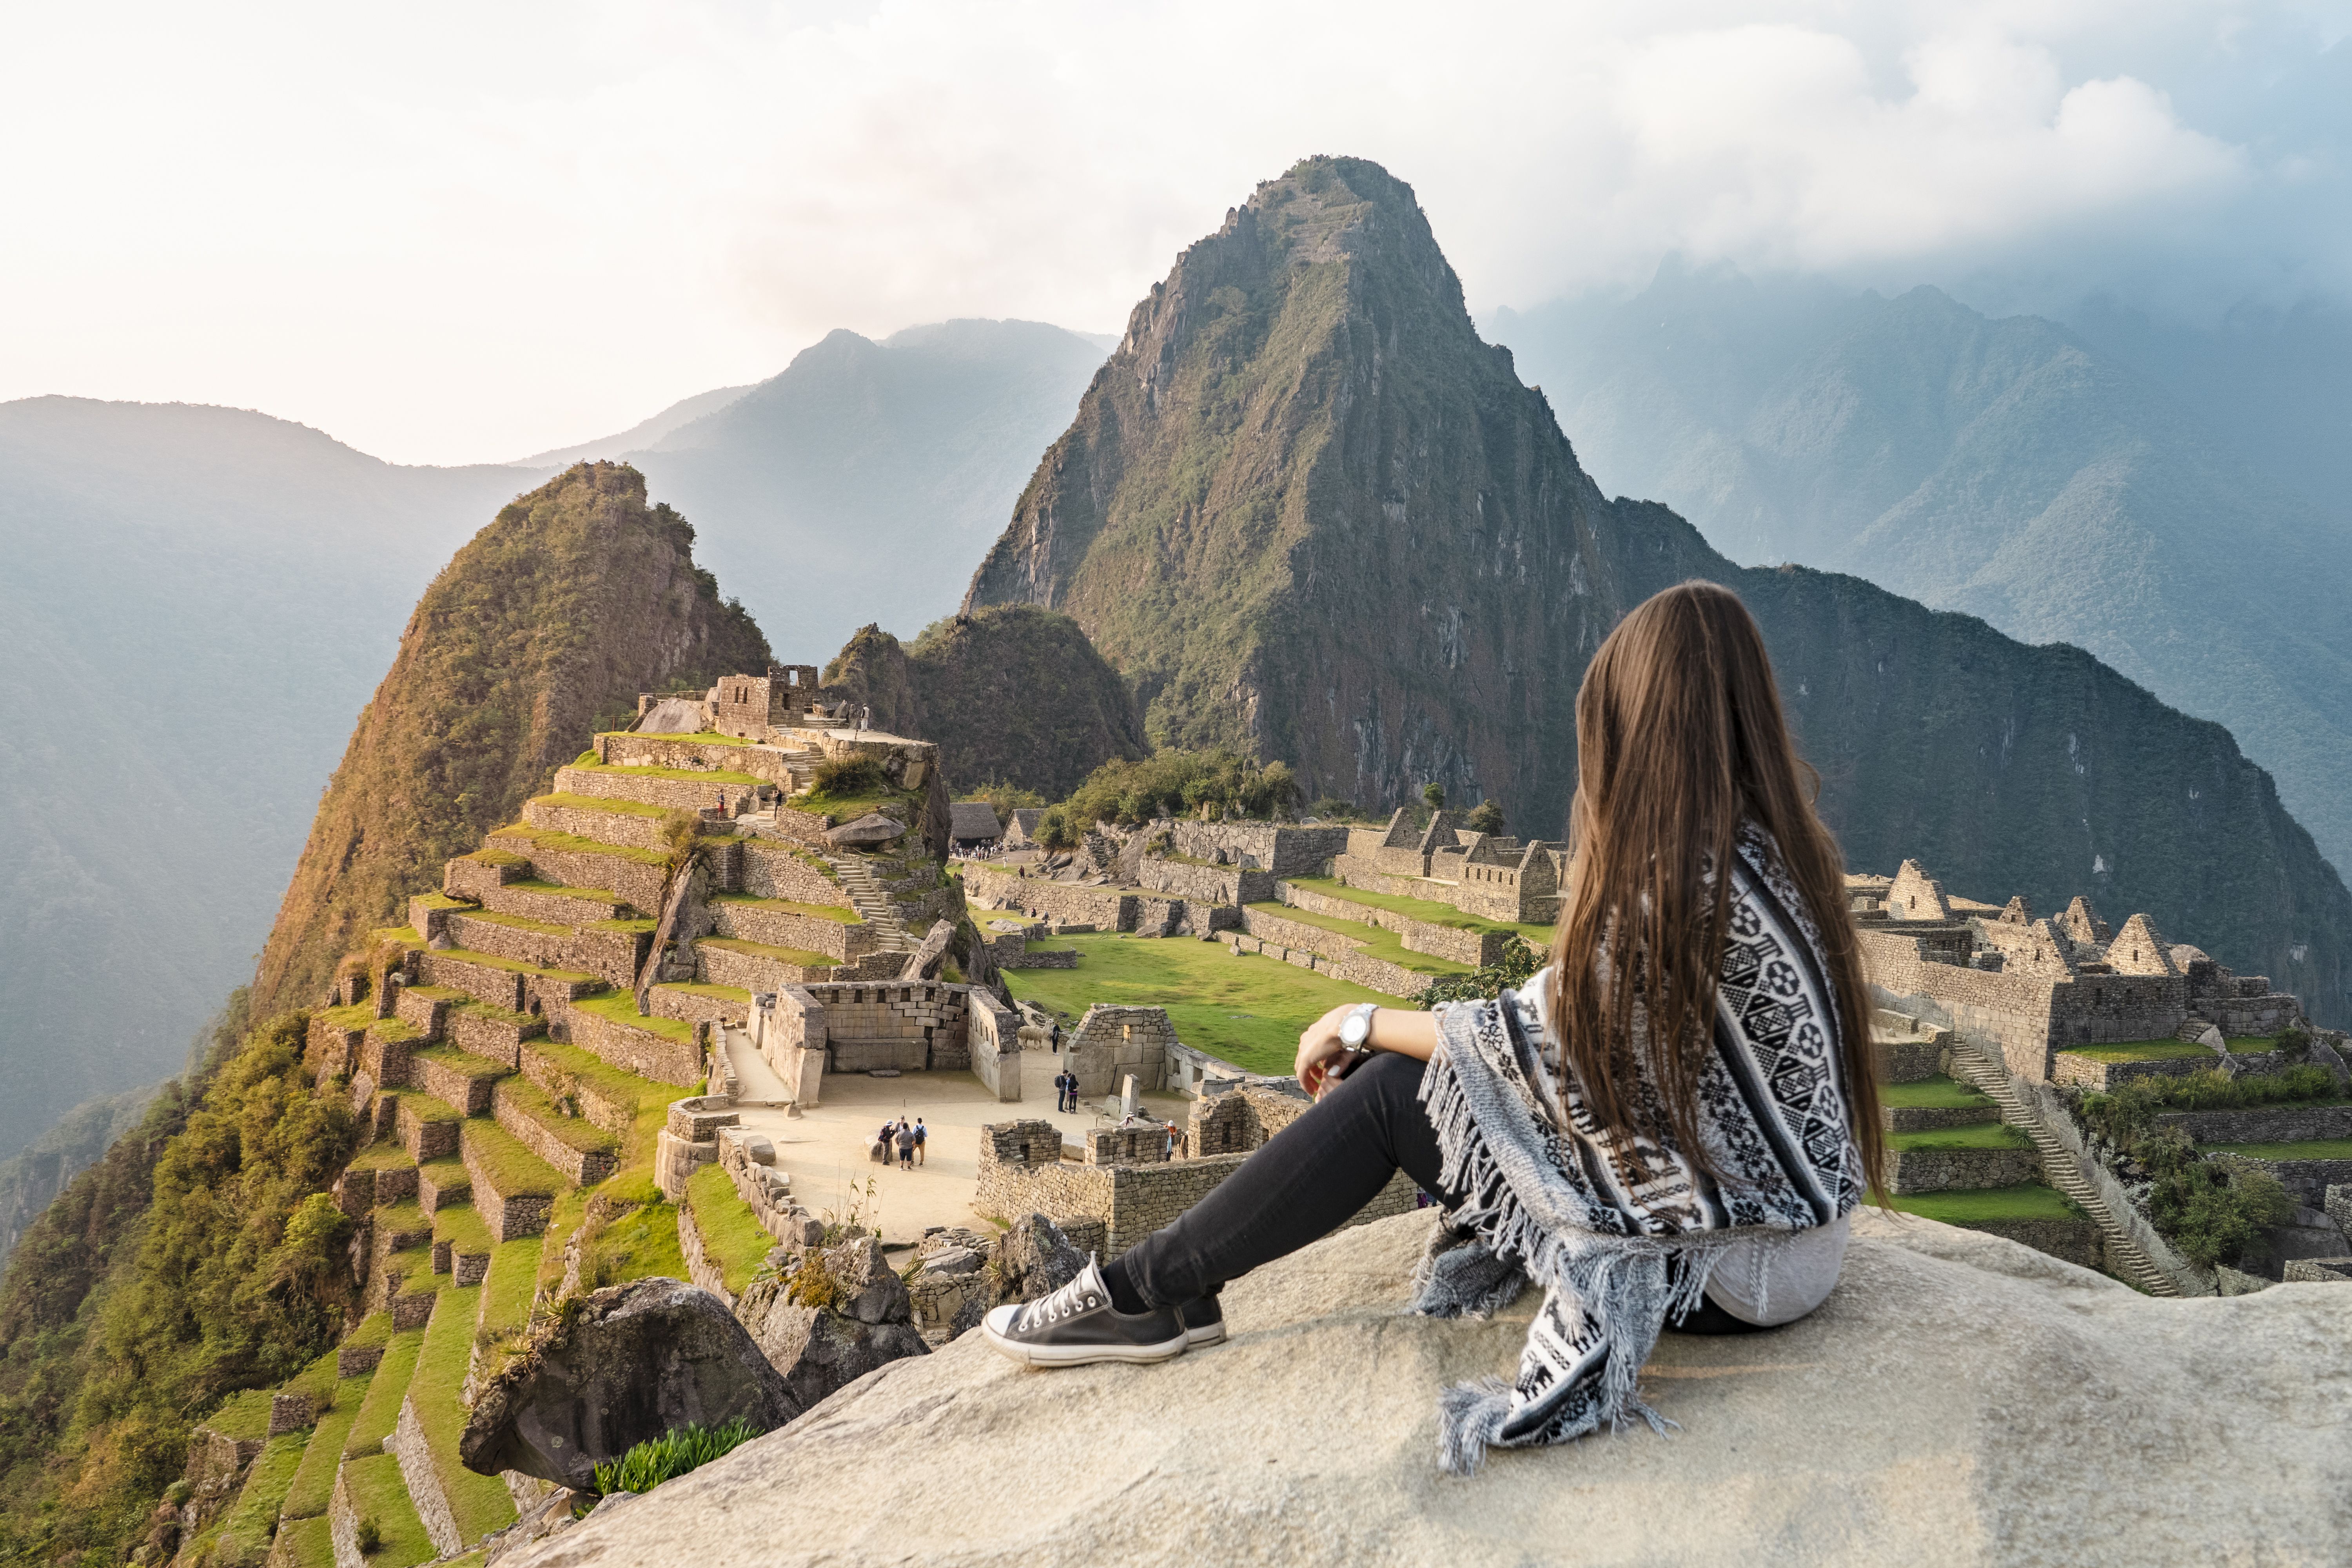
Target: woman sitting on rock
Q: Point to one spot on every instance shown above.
(1667, 1127)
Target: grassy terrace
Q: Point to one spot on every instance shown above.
(488, 856)
(438, 901)
(405, 935)
(1248, 1010)
(1425, 909)
(513, 965)
(380, 1411)
(714, 992)
(242, 1415)
(621, 1007)
(383, 1156)
(843, 808)
(2028, 1201)
(573, 1131)
(357, 1015)
(498, 1014)
(511, 1169)
(608, 1081)
(833, 912)
(1375, 942)
(396, 1030)
(547, 838)
(507, 1296)
(605, 804)
(560, 890)
(449, 994)
(732, 1235)
(2317, 1149)
(448, 1173)
(378, 1492)
(254, 1520)
(1937, 1093)
(1983, 1135)
(481, 1503)
(313, 1487)
(465, 1064)
(2139, 1051)
(462, 1225)
(688, 775)
(807, 856)
(700, 736)
(801, 956)
(641, 925)
(428, 1108)
(522, 923)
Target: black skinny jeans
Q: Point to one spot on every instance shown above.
(1305, 1183)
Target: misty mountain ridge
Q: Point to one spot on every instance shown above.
(2006, 468)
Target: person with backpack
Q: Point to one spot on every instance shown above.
(922, 1136)
(905, 1145)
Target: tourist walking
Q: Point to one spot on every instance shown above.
(906, 1147)
(922, 1136)
(1666, 1127)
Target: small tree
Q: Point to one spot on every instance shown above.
(1485, 817)
(1433, 795)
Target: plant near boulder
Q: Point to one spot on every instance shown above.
(846, 778)
(671, 1455)
(1519, 961)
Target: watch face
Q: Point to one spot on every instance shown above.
(1353, 1031)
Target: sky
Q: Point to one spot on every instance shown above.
(461, 233)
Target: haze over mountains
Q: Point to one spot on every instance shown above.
(2013, 469)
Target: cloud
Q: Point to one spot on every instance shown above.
(467, 232)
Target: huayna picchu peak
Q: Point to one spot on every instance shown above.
(1307, 512)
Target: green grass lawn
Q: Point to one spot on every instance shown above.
(643, 1243)
(378, 1492)
(245, 1415)
(1425, 909)
(379, 1413)
(356, 1016)
(511, 1169)
(507, 1294)
(2317, 1149)
(307, 1541)
(701, 737)
(2140, 1051)
(1374, 941)
(438, 900)
(609, 1081)
(689, 775)
(573, 1131)
(2029, 1201)
(425, 1107)
(482, 1504)
(799, 956)
(844, 808)
(516, 965)
(833, 912)
(1983, 1135)
(731, 1234)
(462, 1225)
(384, 1156)
(604, 803)
(621, 1007)
(465, 1064)
(1937, 1093)
(1248, 1010)
(488, 856)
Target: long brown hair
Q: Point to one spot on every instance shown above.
(1679, 738)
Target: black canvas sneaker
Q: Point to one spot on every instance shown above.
(1077, 1325)
(1204, 1320)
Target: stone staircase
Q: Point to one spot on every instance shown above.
(873, 904)
(2064, 1171)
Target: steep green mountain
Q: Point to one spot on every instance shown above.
(857, 485)
(196, 599)
(576, 598)
(29, 1182)
(1307, 513)
(2003, 468)
(1015, 695)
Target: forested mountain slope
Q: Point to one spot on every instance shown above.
(1306, 510)
(2004, 468)
(577, 597)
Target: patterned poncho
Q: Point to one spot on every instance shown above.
(1558, 1205)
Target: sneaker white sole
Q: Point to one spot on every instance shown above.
(1214, 1334)
(1083, 1356)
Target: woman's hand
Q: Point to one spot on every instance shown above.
(1319, 1048)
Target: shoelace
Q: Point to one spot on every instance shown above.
(1076, 1297)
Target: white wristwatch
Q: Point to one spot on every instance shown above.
(1356, 1031)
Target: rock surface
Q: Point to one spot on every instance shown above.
(819, 1350)
(1034, 1258)
(639, 1360)
(1960, 1399)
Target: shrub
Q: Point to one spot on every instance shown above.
(2211, 1212)
(1519, 961)
(1433, 795)
(847, 777)
(1332, 808)
(370, 1535)
(1210, 784)
(670, 1455)
(1485, 817)
(2294, 1043)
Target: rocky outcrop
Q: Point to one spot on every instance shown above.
(837, 1315)
(1960, 1399)
(634, 1362)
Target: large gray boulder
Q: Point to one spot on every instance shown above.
(1960, 1399)
(632, 1361)
(865, 1320)
(1034, 1258)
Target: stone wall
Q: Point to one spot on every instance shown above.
(783, 928)
(632, 882)
(2269, 1124)
(1285, 849)
(556, 909)
(466, 878)
(615, 1115)
(1951, 1170)
(580, 1167)
(698, 1007)
(623, 828)
(671, 794)
(497, 1039)
(640, 1051)
(612, 956)
(1112, 1042)
(1372, 973)
(909, 1025)
(762, 763)
(1064, 903)
(774, 871)
(2071, 1071)
(2012, 1013)
(993, 1035)
(2237, 1016)
(1474, 948)
(1207, 884)
(753, 971)
(2307, 1181)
